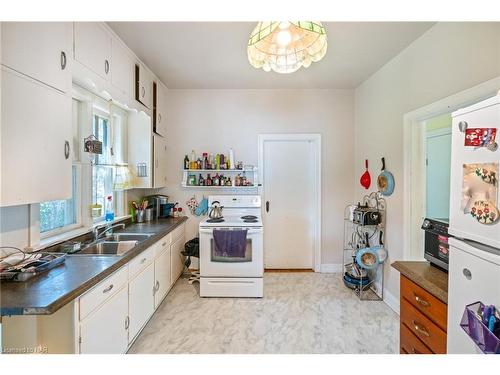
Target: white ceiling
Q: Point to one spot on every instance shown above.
(213, 54)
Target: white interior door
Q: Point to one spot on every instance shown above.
(289, 203)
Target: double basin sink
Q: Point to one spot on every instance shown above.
(114, 244)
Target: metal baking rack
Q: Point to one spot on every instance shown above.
(354, 241)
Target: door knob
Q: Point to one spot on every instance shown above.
(267, 206)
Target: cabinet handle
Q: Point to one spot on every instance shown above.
(415, 351)
(143, 91)
(157, 286)
(108, 288)
(420, 329)
(63, 60)
(67, 150)
(106, 66)
(467, 273)
(421, 301)
(159, 118)
(267, 206)
(164, 244)
(143, 260)
(156, 163)
(127, 322)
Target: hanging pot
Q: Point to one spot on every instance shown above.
(385, 181)
(366, 179)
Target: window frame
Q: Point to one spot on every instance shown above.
(78, 209)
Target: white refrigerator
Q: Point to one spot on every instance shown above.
(474, 258)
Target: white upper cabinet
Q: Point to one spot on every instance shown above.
(40, 50)
(122, 74)
(160, 125)
(36, 141)
(92, 44)
(160, 162)
(143, 85)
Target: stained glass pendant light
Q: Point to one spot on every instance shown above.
(285, 46)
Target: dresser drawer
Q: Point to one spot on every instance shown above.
(102, 291)
(409, 343)
(141, 261)
(423, 328)
(425, 302)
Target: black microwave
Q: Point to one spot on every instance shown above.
(436, 248)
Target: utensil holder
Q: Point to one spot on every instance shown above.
(139, 215)
(477, 330)
(148, 215)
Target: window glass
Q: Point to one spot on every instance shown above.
(102, 186)
(60, 213)
(102, 133)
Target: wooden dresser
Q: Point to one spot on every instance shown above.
(423, 308)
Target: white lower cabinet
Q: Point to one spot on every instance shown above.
(141, 300)
(162, 275)
(104, 331)
(177, 259)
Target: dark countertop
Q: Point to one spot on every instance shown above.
(431, 278)
(48, 292)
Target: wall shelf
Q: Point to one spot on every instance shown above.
(251, 175)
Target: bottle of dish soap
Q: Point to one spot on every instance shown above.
(110, 214)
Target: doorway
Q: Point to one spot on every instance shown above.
(437, 132)
(290, 167)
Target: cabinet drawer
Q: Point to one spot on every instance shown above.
(102, 291)
(423, 328)
(409, 343)
(177, 232)
(425, 302)
(141, 261)
(162, 245)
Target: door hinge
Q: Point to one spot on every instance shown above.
(80, 339)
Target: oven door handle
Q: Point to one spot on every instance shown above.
(250, 231)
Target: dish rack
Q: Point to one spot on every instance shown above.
(369, 287)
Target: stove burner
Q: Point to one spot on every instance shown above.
(250, 217)
(215, 220)
(250, 221)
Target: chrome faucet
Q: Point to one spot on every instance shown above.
(98, 235)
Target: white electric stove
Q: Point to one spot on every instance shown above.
(233, 276)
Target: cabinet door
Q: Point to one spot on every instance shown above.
(177, 259)
(35, 143)
(93, 47)
(122, 74)
(40, 50)
(105, 330)
(162, 276)
(160, 161)
(161, 117)
(141, 300)
(144, 87)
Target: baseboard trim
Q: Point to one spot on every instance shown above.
(391, 301)
(331, 268)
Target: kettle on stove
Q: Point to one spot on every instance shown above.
(215, 210)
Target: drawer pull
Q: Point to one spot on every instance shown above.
(421, 301)
(127, 322)
(157, 286)
(415, 351)
(164, 244)
(420, 329)
(108, 289)
(143, 260)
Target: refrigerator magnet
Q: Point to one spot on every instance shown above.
(480, 137)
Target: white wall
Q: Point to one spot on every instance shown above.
(215, 120)
(449, 58)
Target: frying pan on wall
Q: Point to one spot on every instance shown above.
(366, 179)
(385, 181)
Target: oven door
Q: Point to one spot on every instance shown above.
(436, 248)
(214, 265)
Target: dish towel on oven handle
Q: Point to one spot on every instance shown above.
(230, 243)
